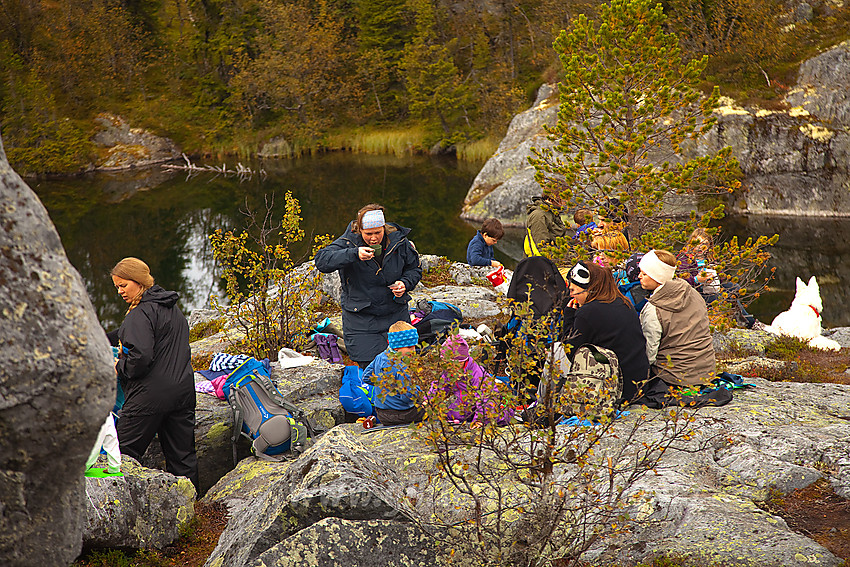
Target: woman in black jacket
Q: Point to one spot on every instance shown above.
(599, 314)
(155, 370)
(377, 267)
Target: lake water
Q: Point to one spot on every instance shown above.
(165, 217)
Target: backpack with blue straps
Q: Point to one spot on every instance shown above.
(275, 427)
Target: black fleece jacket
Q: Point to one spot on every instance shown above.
(155, 366)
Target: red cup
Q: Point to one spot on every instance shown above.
(497, 276)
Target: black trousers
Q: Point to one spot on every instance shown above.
(176, 431)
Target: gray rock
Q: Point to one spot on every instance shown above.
(823, 87)
(703, 504)
(355, 543)
(57, 384)
(746, 340)
(803, 12)
(202, 316)
(795, 162)
(143, 509)
(841, 335)
(747, 364)
(130, 147)
(277, 147)
(506, 182)
(337, 477)
(475, 302)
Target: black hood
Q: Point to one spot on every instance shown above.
(161, 296)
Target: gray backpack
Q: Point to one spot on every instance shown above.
(589, 387)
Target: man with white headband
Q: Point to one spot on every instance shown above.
(377, 267)
(675, 324)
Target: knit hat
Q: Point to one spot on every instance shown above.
(456, 347)
(373, 219)
(652, 266)
(401, 339)
(579, 275)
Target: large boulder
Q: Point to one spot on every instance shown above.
(143, 509)
(705, 499)
(506, 182)
(354, 543)
(337, 477)
(795, 161)
(124, 147)
(56, 388)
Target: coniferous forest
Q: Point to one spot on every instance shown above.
(225, 76)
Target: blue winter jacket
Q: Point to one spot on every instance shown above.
(392, 370)
(365, 285)
(478, 253)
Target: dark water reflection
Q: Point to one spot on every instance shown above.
(165, 218)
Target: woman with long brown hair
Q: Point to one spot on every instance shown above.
(155, 370)
(597, 313)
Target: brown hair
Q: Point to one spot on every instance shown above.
(602, 285)
(610, 240)
(135, 270)
(400, 326)
(493, 228)
(370, 207)
(667, 257)
(583, 216)
(700, 235)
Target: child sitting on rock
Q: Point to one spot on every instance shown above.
(389, 371)
(471, 396)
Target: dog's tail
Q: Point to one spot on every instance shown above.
(824, 343)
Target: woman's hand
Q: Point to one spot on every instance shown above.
(573, 303)
(495, 263)
(398, 288)
(365, 253)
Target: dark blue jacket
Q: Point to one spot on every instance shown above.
(478, 253)
(365, 285)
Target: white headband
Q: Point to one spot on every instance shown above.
(372, 219)
(653, 267)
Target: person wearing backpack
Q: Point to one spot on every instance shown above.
(378, 266)
(155, 369)
(598, 314)
(675, 322)
(391, 366)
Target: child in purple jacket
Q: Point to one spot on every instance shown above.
(474, 395)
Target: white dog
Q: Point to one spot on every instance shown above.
(803, 320)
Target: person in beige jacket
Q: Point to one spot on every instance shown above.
(675, 324)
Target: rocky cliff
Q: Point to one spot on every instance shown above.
(795, 161)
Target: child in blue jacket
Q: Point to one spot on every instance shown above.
(479, 252)
(399, 408)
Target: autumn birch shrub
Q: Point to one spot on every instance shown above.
(629, 107)
(521, 495)
(269, 301)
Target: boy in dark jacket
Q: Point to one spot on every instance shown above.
(479, 252)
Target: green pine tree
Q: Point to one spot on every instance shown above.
(629, 106)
